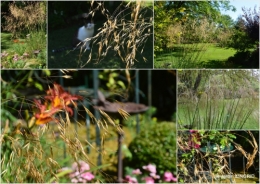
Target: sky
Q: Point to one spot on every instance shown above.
(239, 4)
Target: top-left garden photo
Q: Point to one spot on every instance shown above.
(23, 34)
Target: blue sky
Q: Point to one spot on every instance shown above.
(239, 4)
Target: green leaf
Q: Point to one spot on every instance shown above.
(232, 136)
(120, 83)
(38, 86)
(47, 72)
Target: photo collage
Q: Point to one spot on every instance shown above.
(133, 91)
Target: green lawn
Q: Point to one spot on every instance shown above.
(215, 53)
(194, 56)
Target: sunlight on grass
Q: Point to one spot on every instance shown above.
(217, 53)
(196, 55)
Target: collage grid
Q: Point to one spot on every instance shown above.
(130, 91)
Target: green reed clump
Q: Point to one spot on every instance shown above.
(218, 100)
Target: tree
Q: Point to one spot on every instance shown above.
(170, 13)
(232, 80)
(199, 9)
(245, 40)
(246, 36)
(226, 22)
(251, 24)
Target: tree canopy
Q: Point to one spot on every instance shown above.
(168, 13)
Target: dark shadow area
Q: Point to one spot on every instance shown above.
(245, 59)
(62, 29)
(72, 59)
(215, 64)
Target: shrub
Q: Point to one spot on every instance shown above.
(155, 144)
(245, 59)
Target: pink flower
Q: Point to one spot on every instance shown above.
(130, 179)
(150, 167)
(136, 171)
(15, 58)
(149, 180)
(155, 176)
(79, 173)
(169, 177)
(83, 166)
(193, 131)
(87, 176)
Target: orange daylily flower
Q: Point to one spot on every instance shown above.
(61, 98)
(45, 115)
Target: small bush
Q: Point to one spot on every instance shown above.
(155, 144)
(245, 59)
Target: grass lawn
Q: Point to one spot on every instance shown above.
(70, 59)
(190, 56)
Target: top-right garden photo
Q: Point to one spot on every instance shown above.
(206, 34)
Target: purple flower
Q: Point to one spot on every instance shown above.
(150, 167)
(136, 171)
(149, 180)
(130, 179)
(169, 177)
